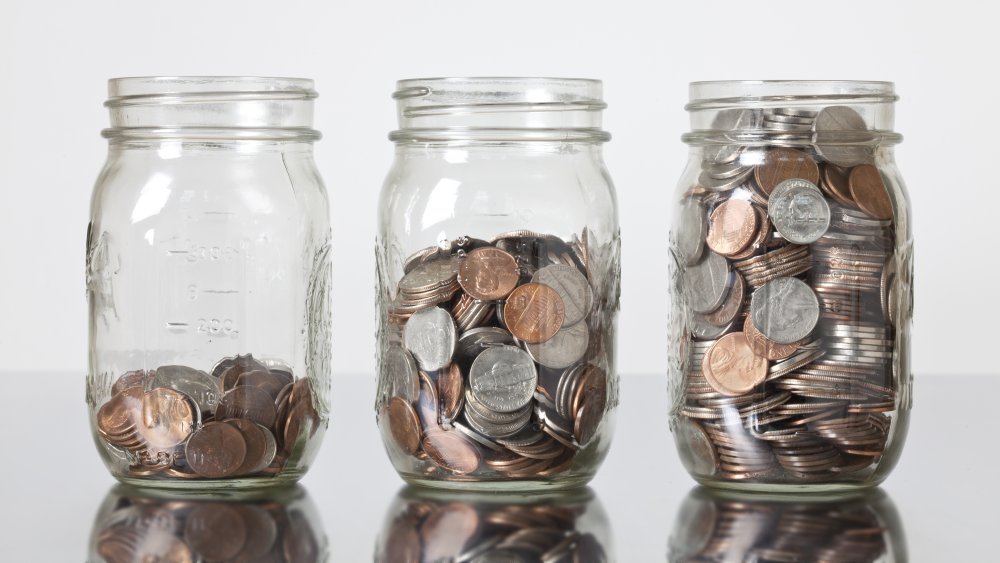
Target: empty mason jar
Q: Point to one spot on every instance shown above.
(208, 283)
(497, 284)
(791, 256)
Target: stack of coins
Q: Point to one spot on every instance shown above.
(243, 419)
(494, 365)
(787, 276)
(186, 531)
(428, 530)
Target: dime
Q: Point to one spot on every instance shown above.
(799, 211)
(503, 378)
(534, 313)
(869, 191)
(248, 402)
(731, 367)
(732, 226)
(574, 289)
(833, 127)
(564, 349)
(782, 164)
(167, 419)
(690, 241)
(488, 273)
(430, 336)
(785, 310)
(216, 450)
(404, 425)
(452, 452)
(201, 387)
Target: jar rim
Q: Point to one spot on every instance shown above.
(717, 94)
(133, 90)
(410, 87)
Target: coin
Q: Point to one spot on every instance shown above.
(785, 310)
(451, 390)
(404, 425)
(697, 452)
(534, 313)
(401, 375)
(430, 336)
(833, 127)
(731, 307)
(707, 282)
(732, 226)
(564, 349)
(247, 402)
(452, 452)
(137, 378)
(572, 287)
(117, 419)
(731, 367)
(201, 387)
(168, 418)
(430, 275)
(215, 531)
(216, 450)
(835, 183)
(503, 378)
(690, 240)
(260, 443)
(869, 191)
(782, 164)
(765, 348)
(488, 273)
(799, 211)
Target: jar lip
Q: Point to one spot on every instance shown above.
(404, 87)
(716, 94)
(134, 90)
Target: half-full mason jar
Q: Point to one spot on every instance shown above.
(791, 257)
(208, 276)
(498, 268)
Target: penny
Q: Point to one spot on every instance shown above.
(564, 349)
(488, 273)
(452, 452)
(216, 450)
(260, 443)
(167, 418)
(201, 387)
(117, 418)
(690, 240)
(589, 416)
(249, 403)
(834, 142)
(137, 378)
(869, 191)
(731, 367)
(534, 313)
(731, 307)
(731, 227)
(799, 211)
(302, 421)
(574, 289)
(503, 378)
(430, 336)
(782, 164)
(451, 390)
(785, 310)
(215, 531)
(404, 425)
(765, 348)
(707, 282)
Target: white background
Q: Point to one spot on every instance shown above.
(55, 59)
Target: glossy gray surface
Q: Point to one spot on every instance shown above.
(945, 488)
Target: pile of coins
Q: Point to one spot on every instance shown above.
(187, 531)
(494, 364)
(786, 269)
(177, 422)
(461, 531)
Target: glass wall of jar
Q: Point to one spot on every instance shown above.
(143, 525)
(498, 267)
(717, 525)
(791, 278)
(208, 284)
(429, 525)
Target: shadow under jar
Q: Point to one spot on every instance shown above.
(791, 260)
(208, 284)
(498, 269)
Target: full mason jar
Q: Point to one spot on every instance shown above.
(791, 257)
(208, 275)
(498, 268)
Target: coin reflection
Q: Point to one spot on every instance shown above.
(148, 526)
(724, 526)
(423, 525)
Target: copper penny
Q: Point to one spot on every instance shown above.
(835, 184)
(167, 418)
(404, 425)
(488, 273)
(732, 306)
(262, 380)
(137, 378)
(869, 191)
(215, 531)
(782, 164)
(731, 227)
(451, 390)
(117, 418)
(589, 415)
(534, 313)
(763, 346)
(247, 402)
(452, 452)
(301, 417)
(261, 446)
(731, 367)
(216, 450)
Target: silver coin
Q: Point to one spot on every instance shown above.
(707, 282)
(569, 283)
(704, 330)
(785, 310)
(401, 378)
(503, 378)
(695, 448)
(474, 341)
(691, 232)
(430, 275)
(204, 390)
(722, 184)
(799, 211)
(430, 336)
(833, 129)
(564, 349)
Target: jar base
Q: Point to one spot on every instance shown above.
(819, 489)
(513, 486)
(215, 485)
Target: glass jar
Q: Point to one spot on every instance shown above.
(208, 276)
(791, 258)
(428, 525)
(142, 525)
(498, 267)
(731, 526)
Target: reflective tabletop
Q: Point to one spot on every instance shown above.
(939, 504)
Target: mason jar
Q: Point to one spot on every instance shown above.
(435, 525)
(208, 275)
(498, 266)
(143, 525)
(791, 258)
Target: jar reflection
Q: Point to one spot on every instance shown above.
(424, 525)
(725, 526)
(279, 527)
